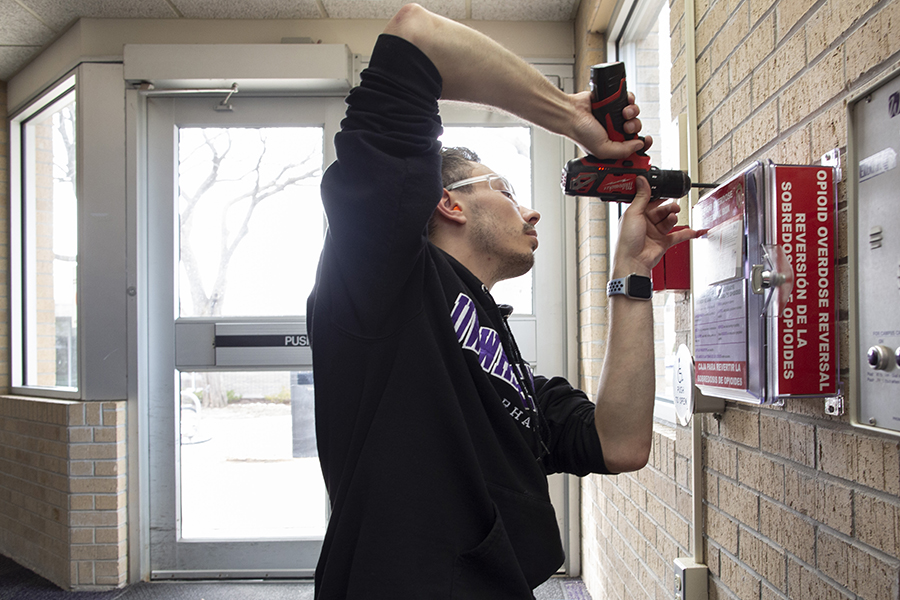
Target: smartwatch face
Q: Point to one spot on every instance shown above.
(640, 287)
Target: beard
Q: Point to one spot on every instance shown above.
(490, 239)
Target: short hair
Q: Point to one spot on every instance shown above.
(456, 165)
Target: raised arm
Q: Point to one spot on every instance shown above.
(475, 68)
(627, 390)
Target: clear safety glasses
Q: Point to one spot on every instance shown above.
(498, 183)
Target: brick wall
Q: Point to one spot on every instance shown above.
(63, 490)
(797, 504)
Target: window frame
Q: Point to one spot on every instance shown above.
(102, 297)
(632, 23)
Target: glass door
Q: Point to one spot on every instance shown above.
(234, 229)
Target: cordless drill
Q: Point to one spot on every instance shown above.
(614, 180)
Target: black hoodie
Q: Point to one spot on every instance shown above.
(434, 437)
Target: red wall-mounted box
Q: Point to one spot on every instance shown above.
(673, 271)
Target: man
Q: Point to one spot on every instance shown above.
(434, 437)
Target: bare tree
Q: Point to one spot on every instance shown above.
(244, 199)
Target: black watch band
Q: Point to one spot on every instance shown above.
(632, 286)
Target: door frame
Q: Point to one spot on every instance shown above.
(163, 554)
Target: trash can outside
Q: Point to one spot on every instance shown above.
(303, 417)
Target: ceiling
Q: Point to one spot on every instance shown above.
(26, 26)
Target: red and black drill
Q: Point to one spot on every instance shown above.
(614, 180)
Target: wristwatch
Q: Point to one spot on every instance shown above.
(632, 286)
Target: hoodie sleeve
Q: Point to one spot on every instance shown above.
(574, 444)
(381, 191)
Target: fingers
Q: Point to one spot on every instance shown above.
(641, 197)
(663, 210)
(632, 126)
(611, 149)
(683, 235)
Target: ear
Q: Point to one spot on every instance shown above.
(450, 209)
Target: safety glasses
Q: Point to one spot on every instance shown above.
(498, 183)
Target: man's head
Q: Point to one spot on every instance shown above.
(479, 222)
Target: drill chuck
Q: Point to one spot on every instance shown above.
(665, 183)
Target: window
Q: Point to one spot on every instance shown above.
(642, 43)
(69, 287)
(46, 338)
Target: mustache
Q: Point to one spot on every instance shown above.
(528, 228)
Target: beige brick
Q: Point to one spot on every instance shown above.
(108, 434)
(790, 13)
(863, 573)
(787, 529)
(732, 34)
(788, 60)
(829, 131)
(709, 26)
(110, 501)
(758, 131)
(111, 570)
(792, 150)
(81, 468)
(704, 137)
(81, 536)
(789, 439)
(804, 584)
(814, 89)
(761, 473)
(703, 70)
(700, 8)
(835, 507)
(113, 414)
(85, 572)
(720, 457)
(764, 558)
(710, 488)
(831, 21)
(751, 53)
(81, 502)
(837, 453)
(94, 552)
(712, 94)
(94, 519)
(97, 485)
(722, 530)
(93, 413)
(877, 523)
(732, 112)
(93, 451)
(740, 503)
(741, 426)
(679, 528)
(717, 164)
(872, 42)
(738, 579)
(878, 464)
(758, 9)
(109, 535)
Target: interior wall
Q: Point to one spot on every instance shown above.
(103, 39)
(796, 503)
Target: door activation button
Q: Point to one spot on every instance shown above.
(881, 358)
